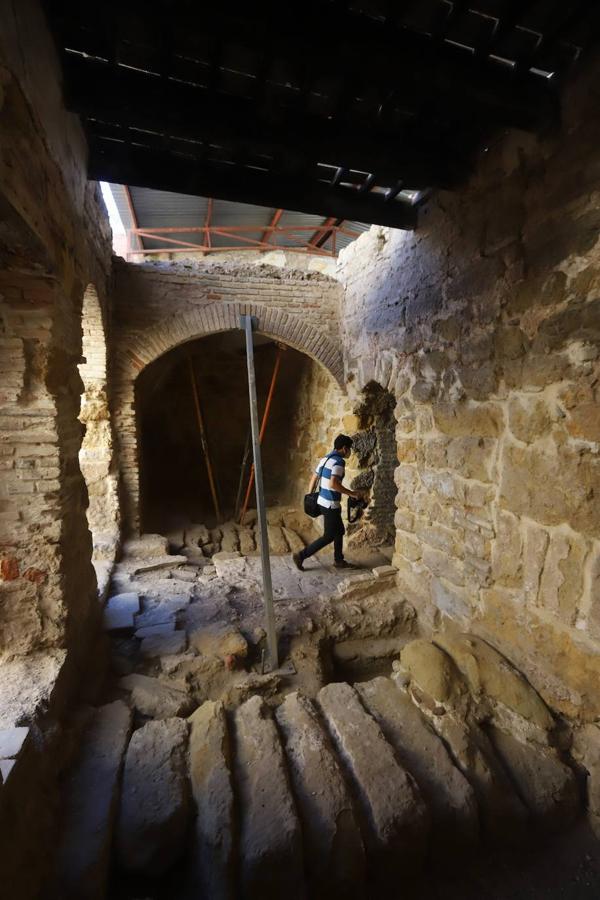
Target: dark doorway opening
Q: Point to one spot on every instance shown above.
(175, 488)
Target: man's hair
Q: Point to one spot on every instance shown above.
(342, 440)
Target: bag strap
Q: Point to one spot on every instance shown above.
(318, 487)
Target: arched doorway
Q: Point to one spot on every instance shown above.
(146, 346)
(175, 489)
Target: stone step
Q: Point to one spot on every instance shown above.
(155, 807)
(443, 694)
(333, 848)
(271, 865)
(546, 785)
(448, 794)
(90, 804)
(210, 777)
(503, 815)
(395, 817)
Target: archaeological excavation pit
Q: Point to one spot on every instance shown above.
(395, 207)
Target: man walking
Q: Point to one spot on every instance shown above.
(331, 471)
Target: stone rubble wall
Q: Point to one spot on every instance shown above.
(158, 307)
(485, 324)
(323, 412)
(54, 240)
(96, 456)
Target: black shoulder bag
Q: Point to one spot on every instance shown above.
(312, 507)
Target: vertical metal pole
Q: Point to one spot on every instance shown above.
(263, 428)
(248, 323)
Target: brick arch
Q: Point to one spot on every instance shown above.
(146, 346)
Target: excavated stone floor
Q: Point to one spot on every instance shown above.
(373, 764)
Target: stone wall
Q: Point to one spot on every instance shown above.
(96, 457)
(485, 324)
(323, 412)
(159, 307)
(54, 240)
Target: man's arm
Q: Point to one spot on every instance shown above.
(313, 484)
(336, 485)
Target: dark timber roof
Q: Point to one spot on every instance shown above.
(340, 109)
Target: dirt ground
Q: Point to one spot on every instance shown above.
(566, 867)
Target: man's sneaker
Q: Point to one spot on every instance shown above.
(342, 564)
(298, 561)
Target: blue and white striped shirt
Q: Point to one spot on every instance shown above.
(333, 465)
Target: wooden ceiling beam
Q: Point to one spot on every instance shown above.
(159, 170)
(132, 100)
(416, 68)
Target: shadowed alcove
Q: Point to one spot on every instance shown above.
(175, 487)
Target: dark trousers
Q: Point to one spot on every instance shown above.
(333, 530)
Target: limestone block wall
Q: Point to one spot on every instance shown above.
(485, 324)
(54, 240)
(158, 307)
(323, 412)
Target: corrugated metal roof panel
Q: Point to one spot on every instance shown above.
(163, 209)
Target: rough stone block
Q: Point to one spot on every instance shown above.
(432, 671)
(468, 419)
(155, 806)
(230, 541)
(449, 796)
(586, 750)
(503, 815)
(571, 480)
(153, 564)
(293, 540)
(270, 836)
(163, 644)
(528, 418)
(161, 613)
(535, 546)
(333, 846)
(246, 538)
(146, 546)
(561, 582)
(451, 600)
(154, 698)
(90, 803)
(489, 673)
(154, 630)
(398, 821)
(210, 777)
(385, 571)
(120, 610)
(196, 536)
(547, 785)
(507, 550)
(218, 640)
